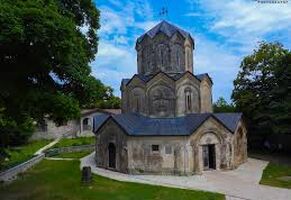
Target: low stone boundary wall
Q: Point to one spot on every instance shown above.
(11, 174)
(56, 151)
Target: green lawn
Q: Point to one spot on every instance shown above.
(61, 180)
(277, 176)
(78, 155)
(65, 142)
(20, 154)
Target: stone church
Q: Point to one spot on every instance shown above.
(167, 125)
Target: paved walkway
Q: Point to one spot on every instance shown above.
(47, 146)
(52, 158)
(239, 184)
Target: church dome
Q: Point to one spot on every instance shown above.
(165, 48)
(166, 28)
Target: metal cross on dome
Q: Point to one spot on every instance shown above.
(163, 12)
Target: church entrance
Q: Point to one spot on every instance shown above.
(208, 153)
(112, 155)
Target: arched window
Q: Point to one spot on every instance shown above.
(188, 59)
(178, 56)
(137, 103)
(188, 99)
(86, 124)
(178, 59)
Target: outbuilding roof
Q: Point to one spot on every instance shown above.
(137, 125)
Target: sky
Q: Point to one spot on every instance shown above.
(224, 31)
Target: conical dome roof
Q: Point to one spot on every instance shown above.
(166, 28)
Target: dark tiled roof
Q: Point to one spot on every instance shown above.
(98, 120)
(202, 76)
(166, 28)
(124, 81)
(146, 78)
(138, 125)
(230, 120)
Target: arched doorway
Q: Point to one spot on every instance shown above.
(209, 151)
(208, 155)
(112, 155)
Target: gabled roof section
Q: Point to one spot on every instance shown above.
(146, 78)
(137, 125)
(99, 120)
(202, 76)
(230, 120)
(166, 28)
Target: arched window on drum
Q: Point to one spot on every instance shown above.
(188, 99)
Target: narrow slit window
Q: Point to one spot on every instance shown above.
(189, 101)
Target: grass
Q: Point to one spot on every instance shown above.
(23, 153)
(78, 155)
(61, 180)
(66, 142)
(274, 174)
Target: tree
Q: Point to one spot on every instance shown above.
(110, 102)
(262, 89)
(222, 106)
(45, 50)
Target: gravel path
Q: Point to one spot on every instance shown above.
(239, 184)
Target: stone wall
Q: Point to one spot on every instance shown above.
(212, 132)
(112, 133)
(179, 155)
(55, 151)
(73, 128)
(164, 97)
(240, 145)
(51, 131)
(172, 156)
(11, 174)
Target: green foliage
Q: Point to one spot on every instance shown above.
(20, 154)
(61, 180)
(112, 102)
(45, 50)
(262, 89)
(12, 132)
(222, 106)
(277, 176)
(66, 142)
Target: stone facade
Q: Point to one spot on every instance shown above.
(179, 155)
(81, 127)
(165, 85)
(167, 125)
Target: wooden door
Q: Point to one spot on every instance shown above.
(112, 155)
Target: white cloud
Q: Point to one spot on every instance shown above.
(250, 17)
(116, 58)
(114, 62)
(220, 64)
(243, 23)
(146, 25)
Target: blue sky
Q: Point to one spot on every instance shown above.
(224, 32)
